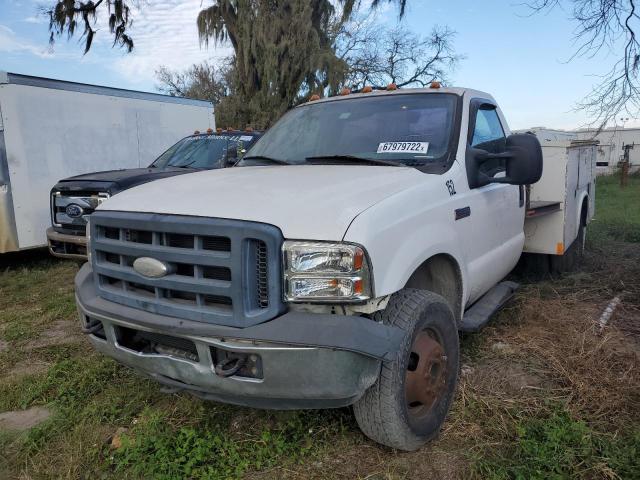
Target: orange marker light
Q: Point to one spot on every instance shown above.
(248, 129)
(435, 85)
(345, 91)
(358, 259)
(367, 89)
(209, 130)
(314, 97)
(560, 248)
(218, 130)
(197, 132)
(392, 86)
(357, 287)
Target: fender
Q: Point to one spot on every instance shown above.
(399, 240)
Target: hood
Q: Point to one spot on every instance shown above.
(315, 202)
(114, 181)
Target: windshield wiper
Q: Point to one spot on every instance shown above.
(352, 158)
(266, 159)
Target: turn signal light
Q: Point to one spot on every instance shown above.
(392, 86)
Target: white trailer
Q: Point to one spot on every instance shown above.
(52, 129)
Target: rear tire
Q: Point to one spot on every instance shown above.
(408, 404)
(573, 256)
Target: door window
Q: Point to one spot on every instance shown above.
(488, 135)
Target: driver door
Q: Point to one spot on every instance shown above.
(494, 236)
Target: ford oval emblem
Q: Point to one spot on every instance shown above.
(151, 267)
(74, 211)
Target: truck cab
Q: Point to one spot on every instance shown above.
(74, 198)
(359, 235)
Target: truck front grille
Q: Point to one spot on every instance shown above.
(221, 271)
(82, 203)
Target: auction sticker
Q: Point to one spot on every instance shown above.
(403, 147)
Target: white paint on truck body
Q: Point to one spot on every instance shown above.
(401, 215)
(569, 177)
(54, 129)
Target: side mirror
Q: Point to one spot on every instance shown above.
(523, 158)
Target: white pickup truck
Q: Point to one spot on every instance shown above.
(337, 263)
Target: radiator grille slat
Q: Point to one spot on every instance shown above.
(219, 271)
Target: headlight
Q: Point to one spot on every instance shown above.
(88, 235)
(325, 272)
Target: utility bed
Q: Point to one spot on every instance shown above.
(555, 202)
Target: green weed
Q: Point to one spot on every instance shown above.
(557, 446)
(211, 449)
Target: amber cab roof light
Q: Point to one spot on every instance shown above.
(435, 85)
(392, 86)
(314, 97)
(367, 89)
(197, 132)
(345, 91)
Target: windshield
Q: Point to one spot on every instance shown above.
(202, 151)
(412, 129)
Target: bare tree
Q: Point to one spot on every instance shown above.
(376, 55)
(606, 25)
(204, 81)
(217, 83)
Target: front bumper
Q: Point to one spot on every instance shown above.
(67, 245)
(307, 360)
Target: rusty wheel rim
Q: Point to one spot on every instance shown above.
(426, 374)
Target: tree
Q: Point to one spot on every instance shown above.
(203, 81)
(378, 56)
(283, 48)
(206, 81)
(65, 15)
(610, 25)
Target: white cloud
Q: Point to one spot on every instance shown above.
(11, 43)
(39, 19)
(164, 33)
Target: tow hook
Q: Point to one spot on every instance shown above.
(230, 365)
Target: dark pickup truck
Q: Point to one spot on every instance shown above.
(74, 198)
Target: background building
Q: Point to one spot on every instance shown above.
(612, 145)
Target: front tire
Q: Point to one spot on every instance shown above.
(408, 404)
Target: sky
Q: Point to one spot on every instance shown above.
(522, 60)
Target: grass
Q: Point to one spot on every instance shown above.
(558, 446)
(617, 209)
(557, 399)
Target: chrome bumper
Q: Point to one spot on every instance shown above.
(63, 245)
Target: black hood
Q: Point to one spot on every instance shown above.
(114, 181)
